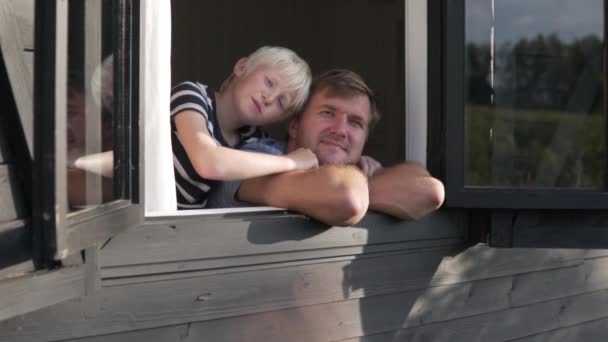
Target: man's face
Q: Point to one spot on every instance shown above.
(334, 128)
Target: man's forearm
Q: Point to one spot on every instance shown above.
(405, 191)
(335, 195)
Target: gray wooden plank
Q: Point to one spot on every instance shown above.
(38, 290)
(514, 322)
(448, 302)
(195, 238)
(168, 334)
(323, 322)
(596, 253)
(481, 262)
(595, 331)
(15, 249)
(163, 303)
(567, 229)
(444, 303)
(541, 286)
(170, 269)
(12, 48)
(24, 15)
(11, 203)
(5, 156)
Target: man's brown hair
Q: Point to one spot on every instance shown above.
(345, 83)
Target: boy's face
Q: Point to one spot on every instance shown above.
(334, 128)
(260, 96)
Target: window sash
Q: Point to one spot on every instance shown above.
(58, 233)
(459, 194)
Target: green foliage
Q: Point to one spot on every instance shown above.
(541, 124)
(534, 148)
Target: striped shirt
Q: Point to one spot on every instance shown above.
(191, 188)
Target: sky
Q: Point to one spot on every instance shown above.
(517, 19)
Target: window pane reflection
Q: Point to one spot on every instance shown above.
(89, 104)
(534, 88)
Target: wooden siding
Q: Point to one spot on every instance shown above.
(15, 94)
(273, 272)
(430, 291)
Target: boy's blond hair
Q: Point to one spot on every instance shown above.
(295, 69)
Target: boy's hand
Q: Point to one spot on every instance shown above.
(369, 165)
(304, 159)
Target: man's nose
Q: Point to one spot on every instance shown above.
(339, 124)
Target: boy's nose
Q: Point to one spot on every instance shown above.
(269, 96)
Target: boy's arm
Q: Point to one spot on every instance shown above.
(406, 191)
(334, 195)
(221, 163)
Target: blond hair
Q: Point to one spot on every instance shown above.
(295, 69)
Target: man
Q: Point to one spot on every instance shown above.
(334, 124)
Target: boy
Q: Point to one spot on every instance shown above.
(207, 127)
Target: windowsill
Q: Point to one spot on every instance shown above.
(218, 211)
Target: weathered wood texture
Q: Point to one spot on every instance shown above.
(11, 204)
(16, 62)
(426, 294)
(594, 331)
(566, 229)
(170, 302)
(34, 291)
(15, 249)
(190, 244)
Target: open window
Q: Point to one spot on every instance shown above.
(87, 179)
(367, 37)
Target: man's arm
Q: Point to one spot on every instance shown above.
(334, 195)
(406, 191)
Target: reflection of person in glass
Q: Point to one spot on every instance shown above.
(78, 162)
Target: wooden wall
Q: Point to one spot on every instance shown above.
(271, 277)
(285, 278)
(15, 127)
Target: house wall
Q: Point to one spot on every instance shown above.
(15, 87)
(283, 277)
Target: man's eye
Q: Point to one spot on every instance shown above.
(326, 113)
(356, 123)
(268, 82)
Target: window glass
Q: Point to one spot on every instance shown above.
(89, 104)
(534, 90)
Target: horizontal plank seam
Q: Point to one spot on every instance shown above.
(499, 311)
(276, 264)
(558, 329)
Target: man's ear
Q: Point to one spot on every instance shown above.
(240, 66)
(292, 128)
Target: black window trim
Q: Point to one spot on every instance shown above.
(457, 194)
(57, 234)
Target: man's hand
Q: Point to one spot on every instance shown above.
(369, 165)
(405, 191)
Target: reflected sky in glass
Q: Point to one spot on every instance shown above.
(517, 19)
